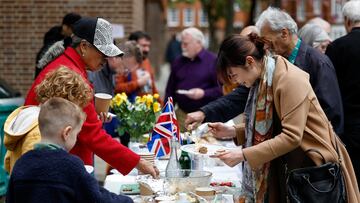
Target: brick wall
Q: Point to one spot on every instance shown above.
(23, 24)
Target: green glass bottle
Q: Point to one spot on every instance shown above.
(184, 160)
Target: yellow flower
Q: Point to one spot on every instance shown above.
(156, 107)
(137, 99)
(118, 99)
(124, 95)
(140, 99)
(156, 96)
(149, 100)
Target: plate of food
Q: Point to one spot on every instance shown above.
(203, 149)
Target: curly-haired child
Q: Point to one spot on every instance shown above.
(21, 127)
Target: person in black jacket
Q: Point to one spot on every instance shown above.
(344, 53)
(57, 33)
(280, 29)
(49, 173)
(173, 49)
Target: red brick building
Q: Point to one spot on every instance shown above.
(23, 24)
(182, 15)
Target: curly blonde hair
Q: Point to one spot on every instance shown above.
(64, 83)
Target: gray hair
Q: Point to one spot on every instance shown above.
(325, 25)
(195, 33)
(131, 48)
(311, 33)
(351, 10)
(75, 41)
(277, 20)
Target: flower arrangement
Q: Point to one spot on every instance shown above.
(136, 118)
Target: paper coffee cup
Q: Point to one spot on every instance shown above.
(205, 191)
(102, 102)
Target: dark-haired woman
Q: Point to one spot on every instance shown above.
(283, 120)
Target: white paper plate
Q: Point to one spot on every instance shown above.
(183, 91)
(111, 114)
(211, 149)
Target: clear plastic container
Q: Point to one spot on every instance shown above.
(187, 181)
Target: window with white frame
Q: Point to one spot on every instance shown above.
(188, 17)
(317, 6)
(300, 11)
(237, 7)
(336, 10)
(203, 18)
(173, 17)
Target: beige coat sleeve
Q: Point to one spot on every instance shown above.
(239, 138)
(292, 105)
(289, 139)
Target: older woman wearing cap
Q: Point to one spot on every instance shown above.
(92, 43)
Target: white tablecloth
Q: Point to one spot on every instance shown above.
(224, 173)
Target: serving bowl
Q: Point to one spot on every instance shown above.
(186, 180)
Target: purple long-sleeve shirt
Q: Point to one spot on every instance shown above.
(198, 73)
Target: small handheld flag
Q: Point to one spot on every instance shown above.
(165, 128)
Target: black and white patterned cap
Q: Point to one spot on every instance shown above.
(103, 39)
(98, 32)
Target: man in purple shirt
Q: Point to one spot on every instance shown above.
(193, 81)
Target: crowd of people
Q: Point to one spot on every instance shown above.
(297, 89)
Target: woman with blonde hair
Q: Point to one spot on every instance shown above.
(21, 127)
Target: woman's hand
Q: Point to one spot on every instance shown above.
(147, 168)
(222, 131)
(230, 157)
(105, 117)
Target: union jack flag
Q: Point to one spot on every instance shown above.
(165, 128)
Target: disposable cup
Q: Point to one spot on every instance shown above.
(102, 102)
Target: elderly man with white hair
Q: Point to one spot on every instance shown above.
(344, 53)
(281, 30)
(193, 80)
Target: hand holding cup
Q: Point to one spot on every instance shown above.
(102, 103)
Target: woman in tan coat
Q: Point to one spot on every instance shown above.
(283, 120)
